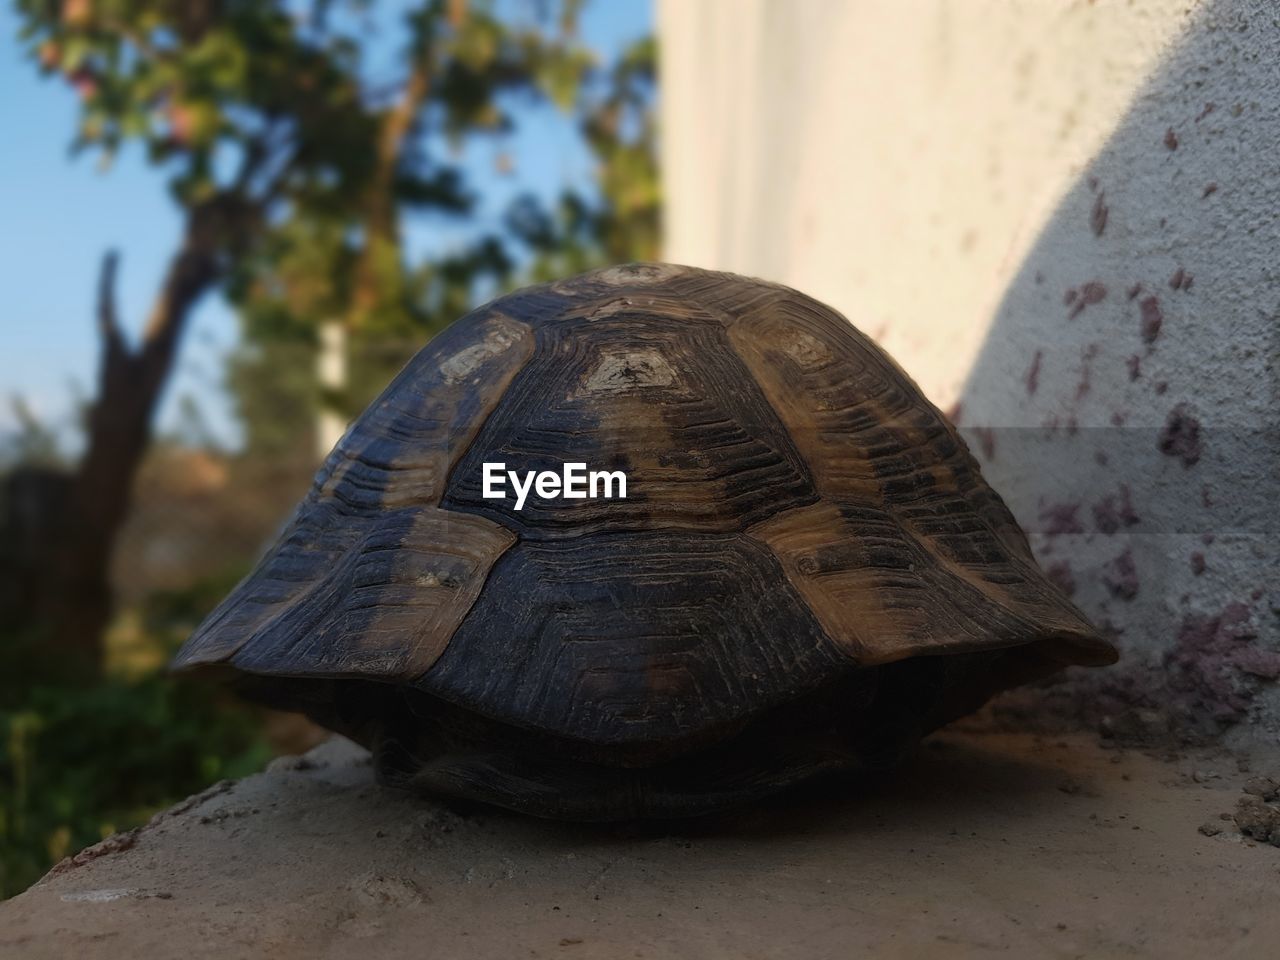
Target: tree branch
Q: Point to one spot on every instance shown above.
(108, 324)
(192, 270)
(380, 226)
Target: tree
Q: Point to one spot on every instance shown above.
(291, 166)
(624, 223)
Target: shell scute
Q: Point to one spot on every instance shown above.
(382, 480)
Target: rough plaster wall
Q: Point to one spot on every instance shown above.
(1061, 218)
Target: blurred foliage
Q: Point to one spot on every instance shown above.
(283, 117)
(619, 127)
(296, 153)
(75, 769)
(33, 444)
(80, 761)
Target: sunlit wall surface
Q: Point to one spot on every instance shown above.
(1060, 218)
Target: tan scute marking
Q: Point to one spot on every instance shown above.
(634, 274)
(840, 598)
(503, 334)
(389, 607)
(629, 369)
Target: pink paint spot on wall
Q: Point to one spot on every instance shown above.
(1115, 510)
(1098, 215)
(1090, 293)
(1152, 319)
(1120, 576)
(1033, 372)
(1085, 383)
(1180, 436)
(1060, 518)
(1128, 516)
(1215, 666)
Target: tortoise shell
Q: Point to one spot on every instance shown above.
(806, 575)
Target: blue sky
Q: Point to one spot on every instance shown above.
(58, 215)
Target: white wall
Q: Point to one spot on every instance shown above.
(981, 183)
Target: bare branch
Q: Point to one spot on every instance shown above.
(380, 220)
(108, 323)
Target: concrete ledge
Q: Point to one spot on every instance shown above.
(985, 844)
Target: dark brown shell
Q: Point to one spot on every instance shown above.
(799, 520)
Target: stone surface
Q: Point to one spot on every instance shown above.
(984, 845)
(1060, 218)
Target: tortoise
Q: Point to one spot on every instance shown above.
(807, 573)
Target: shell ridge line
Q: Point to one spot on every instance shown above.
(855, 649)
(458, 452)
